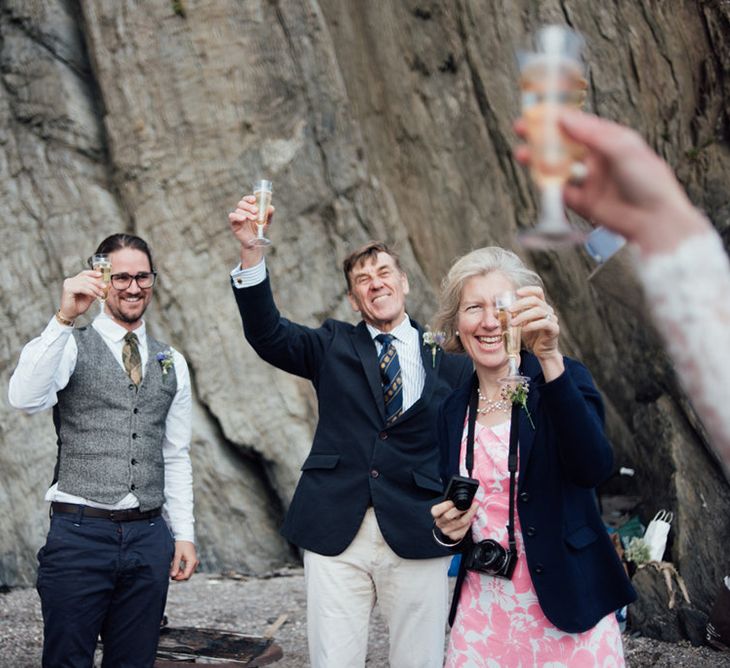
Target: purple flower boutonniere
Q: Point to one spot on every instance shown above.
(517, 394)
(433, 340)
(165, 360)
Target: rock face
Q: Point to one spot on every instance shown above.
(374, 120)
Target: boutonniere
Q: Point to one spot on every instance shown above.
(517, 394)
(165, 360)
(433, 340)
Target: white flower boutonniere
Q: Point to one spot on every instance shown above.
(165, 360)
(433, 340)
(517, 394)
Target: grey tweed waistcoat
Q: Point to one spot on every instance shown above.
(109, 432)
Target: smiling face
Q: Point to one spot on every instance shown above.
(126, 307)
(479, 329)
(378, 292)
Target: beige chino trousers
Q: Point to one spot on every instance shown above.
(342, 591)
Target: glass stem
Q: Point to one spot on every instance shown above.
(552, 210)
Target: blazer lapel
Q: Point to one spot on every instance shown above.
(530, 368)
(454, 414)
(429, 367)
(365, 349)
(431, 374)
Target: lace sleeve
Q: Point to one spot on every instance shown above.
(688, 291)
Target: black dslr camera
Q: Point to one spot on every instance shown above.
(461, 491)
(488, 556)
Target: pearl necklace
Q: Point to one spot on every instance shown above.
(491, 405)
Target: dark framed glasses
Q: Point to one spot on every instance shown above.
(144, 279)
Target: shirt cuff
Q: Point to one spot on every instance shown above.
(247, 278)
(54, 328)
(184, 534)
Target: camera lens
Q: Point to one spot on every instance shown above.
(461, 497)
(491, 554)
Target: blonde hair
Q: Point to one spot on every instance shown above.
(480, 262)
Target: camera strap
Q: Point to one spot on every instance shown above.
(511, 457)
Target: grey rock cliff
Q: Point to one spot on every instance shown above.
(374, 120)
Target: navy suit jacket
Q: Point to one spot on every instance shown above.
(356, 460)
(574, 567)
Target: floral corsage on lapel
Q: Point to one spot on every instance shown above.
(434, 340)
(517, 394)
(165, 360)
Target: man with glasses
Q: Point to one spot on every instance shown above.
(122, 412)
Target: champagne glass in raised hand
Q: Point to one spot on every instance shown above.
(262, 191)
(101, 262)
(551, 78)
(511, 338)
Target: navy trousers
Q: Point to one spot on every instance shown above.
(98, 577)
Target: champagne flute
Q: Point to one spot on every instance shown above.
(551, 78)
(511, 338)
(262, 192)
(102, 262)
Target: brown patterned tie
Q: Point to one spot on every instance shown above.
(131, 358)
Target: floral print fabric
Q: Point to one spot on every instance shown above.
(499, 622)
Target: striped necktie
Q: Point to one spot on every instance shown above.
(131, 358)
(391, 378)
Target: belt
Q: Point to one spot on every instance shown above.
(128, 515)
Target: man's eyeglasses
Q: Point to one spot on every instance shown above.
(145, 279)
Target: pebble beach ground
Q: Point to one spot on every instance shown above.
(251, 604)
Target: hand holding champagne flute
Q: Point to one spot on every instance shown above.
(245, 225)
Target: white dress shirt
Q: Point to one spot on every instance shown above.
(405, 339)
(45, 367)
(408, 347)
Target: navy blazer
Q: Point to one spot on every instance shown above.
(575, 570)
(356, 460)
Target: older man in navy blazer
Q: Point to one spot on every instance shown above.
(361, 510)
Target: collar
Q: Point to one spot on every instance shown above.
(115, 332)
(401, 332)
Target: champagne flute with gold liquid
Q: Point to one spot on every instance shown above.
(263, 193)
(551, 78)
(101, 262)
(511, 338)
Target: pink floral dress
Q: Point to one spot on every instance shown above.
(499, 622)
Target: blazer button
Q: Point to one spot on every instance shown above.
(132, 487)
(524, 496)
(134, 436)
(131, 386)
(539, 569)
(531, 531)
(383, 435)
(374, 473)
(133, 462)
(135, 411)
